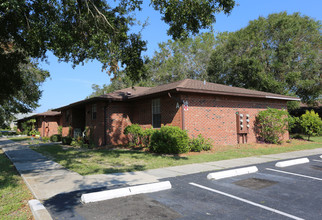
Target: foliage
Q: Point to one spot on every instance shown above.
(311, 123)
(82, 142)
(60, 130)
(181, 59)
(134, 132)
(272, 124)
(169, 140)
(25, 128)
(200, 144)
(45, 139)
(66, 140)
(55, 138)
(279, 54)
(34, 132)
(19, 86)
(146, 136)
(121, 82)
(77, 31)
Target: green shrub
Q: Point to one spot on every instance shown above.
(272, 124)
(200, 144)
(66, 140)
(55, 138)
(297, 136)
(134, 133)
(169, 140)
(146, 136)
(34, 132)
(311, 123)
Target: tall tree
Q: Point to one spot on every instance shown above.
(81, 30)
(76, 31)
(180, 59)
(25, 93)
(280, 54)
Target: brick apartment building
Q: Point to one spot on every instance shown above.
(223, 113)
(46, 123)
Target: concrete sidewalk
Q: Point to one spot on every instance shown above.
(46, 178)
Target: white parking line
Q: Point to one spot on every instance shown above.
(295, 174)
(247, 201)
(318, 161)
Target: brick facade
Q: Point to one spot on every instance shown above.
(213, 116)
(48, 126)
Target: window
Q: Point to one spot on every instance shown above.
(93, 111)
(67, 115)
(156, 113)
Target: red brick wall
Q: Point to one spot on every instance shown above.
(215, 116)
(97, 125)
(117, 118)
(142, 112)
(48, 126)
(66, 121)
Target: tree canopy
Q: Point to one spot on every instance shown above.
(174, 60)
(279, 54)
(181, 59)
(77, 31)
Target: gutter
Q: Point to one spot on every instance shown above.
(289, 99)
(236, 94)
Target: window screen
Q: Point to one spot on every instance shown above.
(156, 113)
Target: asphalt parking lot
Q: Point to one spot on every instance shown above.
(292, 192)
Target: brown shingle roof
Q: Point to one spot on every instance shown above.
(187, 85)
(196, 86)
(48, 113)
(125, 93)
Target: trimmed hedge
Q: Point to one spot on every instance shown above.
(169, 140)
(66, 140)
(55, 138)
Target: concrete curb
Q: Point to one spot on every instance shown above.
(292, 162)
(38, 210)
(127, 191)
(232, 173)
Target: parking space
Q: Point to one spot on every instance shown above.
(271, 193)
(292, 192)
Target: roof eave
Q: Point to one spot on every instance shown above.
(283, 98)
(219, 93)
(237, 94)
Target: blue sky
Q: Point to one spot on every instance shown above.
(67, 85)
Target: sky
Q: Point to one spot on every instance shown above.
(67, 85)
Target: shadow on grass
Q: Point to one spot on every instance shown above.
(119, 160)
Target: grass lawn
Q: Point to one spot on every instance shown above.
(14, 194)
(87, 162)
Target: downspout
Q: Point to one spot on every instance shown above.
(182, 109)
